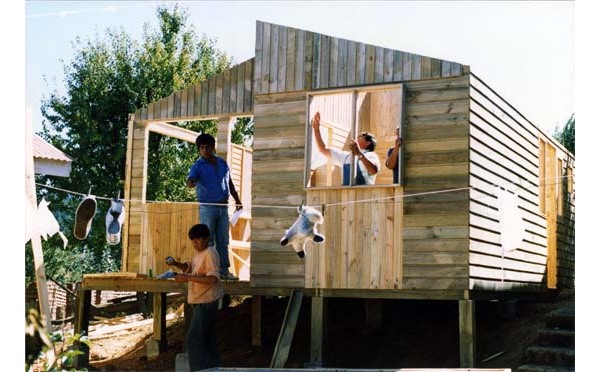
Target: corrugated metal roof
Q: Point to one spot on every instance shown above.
(44, 150)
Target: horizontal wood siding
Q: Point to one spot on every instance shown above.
(226, 94)
(436, 150)
(504, 151)
(292, 59)
(277, 180)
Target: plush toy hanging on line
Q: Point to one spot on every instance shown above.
(303, 229)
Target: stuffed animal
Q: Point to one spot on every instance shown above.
(303, 229)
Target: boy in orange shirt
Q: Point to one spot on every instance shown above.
(204, 291)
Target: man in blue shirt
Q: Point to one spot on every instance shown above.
(212, 180)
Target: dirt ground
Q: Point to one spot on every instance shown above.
(411, 334)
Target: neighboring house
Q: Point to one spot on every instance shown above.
(49, 160)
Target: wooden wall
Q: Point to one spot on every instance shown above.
(228, 93)
(363, 245)
(436, 151)
(277, 187)
(505, 151)
(289, 59)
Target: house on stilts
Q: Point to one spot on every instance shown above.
(483, 208)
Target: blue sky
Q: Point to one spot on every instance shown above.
(524, 50)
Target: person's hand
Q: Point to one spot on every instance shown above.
(190, 183)
(169, 260)
(238, 206)
(316, 122)
(398, 142)
(180, 278)
(355, 148)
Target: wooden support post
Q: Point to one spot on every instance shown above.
(317, 331)
(158, 343)
(256, 321)
(82, 322)
(373, 313)
(284, 342)
(466, 325)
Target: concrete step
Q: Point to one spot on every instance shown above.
(544, 368)
(556, 337)
(549, 355)
(563, 318)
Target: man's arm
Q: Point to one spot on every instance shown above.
(371, 168)
(316, 124)
(392, 159)
(236, 197)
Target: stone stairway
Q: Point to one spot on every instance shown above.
(554, 350)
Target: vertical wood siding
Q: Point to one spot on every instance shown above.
(228, 93)
(504, 151)
(291, 59)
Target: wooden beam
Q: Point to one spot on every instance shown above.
(82, 322)
(284, 342)
(173, 131)
(316, 331)
(466, 326)
(256, 321)
(36, 241)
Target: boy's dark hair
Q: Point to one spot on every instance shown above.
(205, 139)
(198, 231)
(372, 141)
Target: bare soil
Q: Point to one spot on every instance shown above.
(411, 334)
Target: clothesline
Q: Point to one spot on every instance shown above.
(393, 198)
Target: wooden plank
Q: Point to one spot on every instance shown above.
(226, 95)
(378, 67)
(361, 63)
(274, 59)
(351, 63)
(258, 58)
(197, 99)
(324, 60)
(310, 61)
(218, 94)
(415, 67)
(388, 65)
(266, 60)
(370, 64)
(300, 60)
(204, 98)
(407, 66)
(291, 61)
(425, 68)
(466, 325)
(176, 104)
(342, 79)
(317, 323)
(256, 321)
(282, 59)
(333, 62)
(234, 87)
(248, 87)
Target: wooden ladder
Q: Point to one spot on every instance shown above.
(282, 348)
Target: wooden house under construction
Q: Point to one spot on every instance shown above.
(483, 208)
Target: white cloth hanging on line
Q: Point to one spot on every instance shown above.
(512, 226)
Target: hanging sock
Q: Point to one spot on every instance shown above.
(84, 216)
(114, 220)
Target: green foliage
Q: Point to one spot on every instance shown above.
(566, 135)
(243, 132)
(108, 78)
(38, 344)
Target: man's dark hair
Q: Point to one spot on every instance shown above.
(205, 139)
(372, 141)
(198, 231)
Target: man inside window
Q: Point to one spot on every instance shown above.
(363, 147)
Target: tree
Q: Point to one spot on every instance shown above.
(566, 135)
(108, 79)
